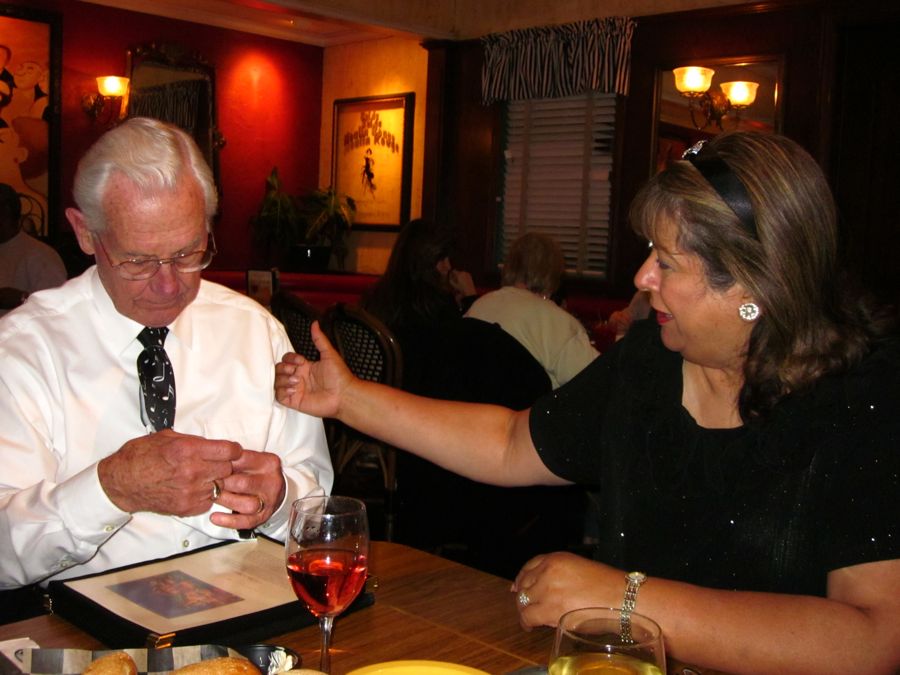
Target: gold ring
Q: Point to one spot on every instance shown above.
(217, 490)
(262, 505)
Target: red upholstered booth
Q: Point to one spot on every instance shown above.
(323, 290)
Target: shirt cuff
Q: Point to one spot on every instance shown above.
(86, 509)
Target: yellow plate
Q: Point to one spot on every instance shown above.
(415, 668)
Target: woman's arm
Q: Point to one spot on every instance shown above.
(856, 629)
(486, 443)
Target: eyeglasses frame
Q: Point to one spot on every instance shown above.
(209, 252)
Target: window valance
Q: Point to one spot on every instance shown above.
(558, 61)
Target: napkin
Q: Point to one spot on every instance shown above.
(11, 652)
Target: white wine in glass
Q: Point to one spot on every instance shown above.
(590, 641)
(326, 556)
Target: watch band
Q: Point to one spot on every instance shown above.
(633, 581)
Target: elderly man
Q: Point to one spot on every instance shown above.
(137, 414)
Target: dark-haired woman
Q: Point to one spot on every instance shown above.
(419, 293)
(742, 445)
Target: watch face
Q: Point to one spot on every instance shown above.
(637, 577)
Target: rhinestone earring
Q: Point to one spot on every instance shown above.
(749, 311)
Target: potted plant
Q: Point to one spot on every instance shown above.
(276, 225)
(303, 231)
(327, 217)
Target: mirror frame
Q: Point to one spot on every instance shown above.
(171, 56)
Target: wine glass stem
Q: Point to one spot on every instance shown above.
(325, 624)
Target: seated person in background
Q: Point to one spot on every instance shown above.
(26, 264)
(742, 446)
(638, 308)
(98, 474)
(419, 293)
(421, 298)
(523, 308)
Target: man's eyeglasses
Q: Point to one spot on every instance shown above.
(139, 269)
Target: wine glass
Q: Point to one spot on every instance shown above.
(592, 640)
(326, 551)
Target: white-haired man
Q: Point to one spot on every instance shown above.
(97, 473)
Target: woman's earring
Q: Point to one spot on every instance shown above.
(749, 311)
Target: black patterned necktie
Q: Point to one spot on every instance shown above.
(157, 378)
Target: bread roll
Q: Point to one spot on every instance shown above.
(225, 665)
(117, 663)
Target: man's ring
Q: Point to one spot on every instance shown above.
(523, 599)
(262, 505)
(217, 490)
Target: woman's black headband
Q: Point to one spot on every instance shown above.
(724, 181)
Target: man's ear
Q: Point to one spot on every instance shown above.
(82, 233)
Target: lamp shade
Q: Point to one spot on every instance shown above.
(693, 79)
(740, 94)
(109, 85)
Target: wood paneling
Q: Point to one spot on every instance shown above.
(838, 116)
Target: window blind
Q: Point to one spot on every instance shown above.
(558, 159)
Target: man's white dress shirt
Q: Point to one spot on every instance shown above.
(70, 396)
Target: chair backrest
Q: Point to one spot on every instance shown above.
(366, 344)
(479, 362)
(297, 315)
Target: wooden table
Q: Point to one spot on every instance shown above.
(425, 607)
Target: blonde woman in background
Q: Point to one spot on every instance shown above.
(523, 308)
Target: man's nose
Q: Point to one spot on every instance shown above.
(165, 281)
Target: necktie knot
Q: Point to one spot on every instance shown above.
(153, 337)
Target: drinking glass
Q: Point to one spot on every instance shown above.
(326, 550)
(591, 640)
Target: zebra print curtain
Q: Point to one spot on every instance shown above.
(557, 61)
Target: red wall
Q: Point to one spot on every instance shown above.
(268, 95)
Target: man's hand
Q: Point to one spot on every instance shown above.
(313, 387)
(253, 491)
(167, 473)
(462, 284)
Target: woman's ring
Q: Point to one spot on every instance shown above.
(262, 505)
(217, 490)
(523, 599)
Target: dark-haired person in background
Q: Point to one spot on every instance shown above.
(26, 263)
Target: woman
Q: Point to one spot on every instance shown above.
(742, 446)
(418, 293)
(523, 308)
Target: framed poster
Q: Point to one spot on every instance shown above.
(29, 112)
(372, 157)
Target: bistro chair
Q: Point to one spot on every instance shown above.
(371, 352)
(297, 315)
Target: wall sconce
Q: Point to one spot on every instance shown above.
(693, 82)
(110, 90)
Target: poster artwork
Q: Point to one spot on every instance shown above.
(25, 116)
(370, 155)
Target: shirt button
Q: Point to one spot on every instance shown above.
(185, 543)
(109, 528)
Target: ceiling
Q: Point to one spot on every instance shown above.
(262, 18)
(268, 18)
(327, 23)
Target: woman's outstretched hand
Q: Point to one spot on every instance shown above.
(313, 387)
